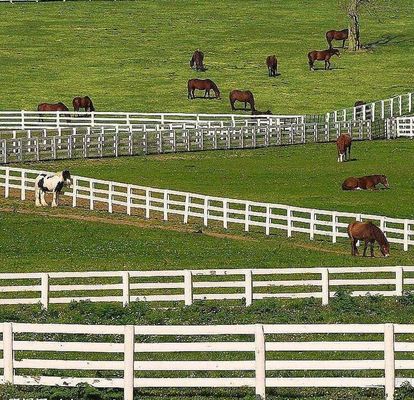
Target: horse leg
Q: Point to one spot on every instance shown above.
(245, 106)
(354, 249)
(343, 43)
(55, 199)
(311, 66)
(372, 248)
(365, 248)
(37, 197)
(232, 105)
(42, 198)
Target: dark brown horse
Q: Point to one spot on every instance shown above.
(343, 145)
(196, 61)
(202, 84)
(369, 233)
(52, 107)
(368, 182)
(271, 63)
(244, 96)
(83, 102)
(337, 35)
(322, 55)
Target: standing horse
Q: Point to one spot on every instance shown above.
(197, 61)
(83, 102)
(343, 145)
(244, 96)
(369, 233)
(337, 35)
(202, 84)
(368, 182)
(322, 55)
(271, 63)
(50, 183)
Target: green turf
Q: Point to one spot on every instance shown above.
(135, 55)
(304, 176)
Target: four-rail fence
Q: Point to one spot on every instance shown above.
(187, 286)
(191, 207)
(243, 357)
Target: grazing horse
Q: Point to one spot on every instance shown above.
(368, 182)
(83, 102)
(337, 35)
(343, 144)
(52, 107)
(50, 183)
(202, 84)
(369, 233)
(244, 96)
(196, 61)
(271, 63)
(322, 55)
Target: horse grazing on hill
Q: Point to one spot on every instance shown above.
(337, 35)
(196, 61)
(271, 63)
(368, 182)
(343, 145)
(244, 96)
(322, 55)
(83, 102)
(369, 233)
(52, 107)
(50, 183)
(202, 84)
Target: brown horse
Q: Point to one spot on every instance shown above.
(337, 35)
(322, 55)
(52, 107)
(196, 61)
(83, 102)
(202, 84)
(244, 96)
(271, 63)
(369, 233)
(368, 182)
(343, 145)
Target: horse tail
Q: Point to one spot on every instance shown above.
(189, 89)
(192, 62)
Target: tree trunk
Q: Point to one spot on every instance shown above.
(353, 35)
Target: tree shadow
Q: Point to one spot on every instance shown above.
(384, 41)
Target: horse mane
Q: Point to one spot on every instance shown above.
(378, 234)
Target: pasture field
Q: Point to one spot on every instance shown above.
(134, 56)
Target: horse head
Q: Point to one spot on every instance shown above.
(66, 178)
(384, 181)
(385, 249)
(335, 52)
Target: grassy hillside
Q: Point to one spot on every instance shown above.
(134, 55)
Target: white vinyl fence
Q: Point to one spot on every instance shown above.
(402, 127)
(382, 109)
(211, 356)
(23, 120)
(157, 139)
(187, 207)
(195, 285)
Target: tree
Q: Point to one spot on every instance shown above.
(354, 9)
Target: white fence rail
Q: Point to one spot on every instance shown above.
(16, 120)
(156, 139)
(194, 285)
(402, 127)
(151, 202)
(382, 109)
(237, 356)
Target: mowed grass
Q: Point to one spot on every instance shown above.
(134, 56)
(303, 175)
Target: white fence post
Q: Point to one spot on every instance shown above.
(188, 288)
(246, 217)
(125, 288)
(312, 225)
(129, 199)
(248, 287)
(147, 203)
(23, 186)
(289, 221)
(91, 194)
(129, 353)
(165, 206)
(74, 191)
(334, 225)
(186, 208)
(110, 194)
(399, 281)
(260, 361)
(406, 226)
(389, 359)
(325, 286)
(8, 357)
(44, 296)
(7, 182)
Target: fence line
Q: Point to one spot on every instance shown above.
(381, 109)
(402, 127)
(150, 139)
(193, 285)
(151, 202)
(238, 356)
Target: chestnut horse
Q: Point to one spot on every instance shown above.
(322, 55)
(196, 61)
(244, 96)
(368, 182)
(271, 63)
(337, 35)
(369, 233)
(52, 107)
(343, 144)
(202, 84)
(83, 102)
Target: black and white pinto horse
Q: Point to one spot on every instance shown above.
(50, 183)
